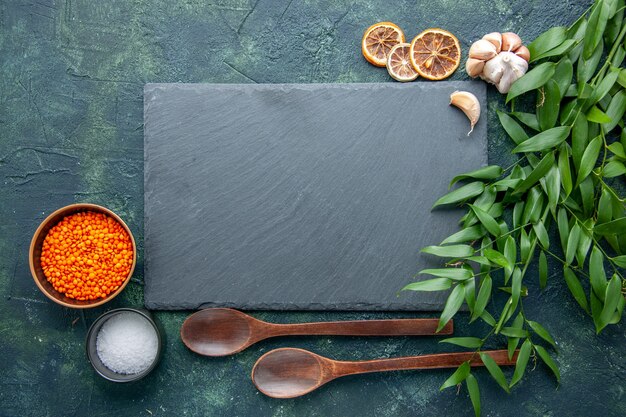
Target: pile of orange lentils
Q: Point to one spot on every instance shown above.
(87, 255)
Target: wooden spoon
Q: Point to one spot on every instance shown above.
(291, 372)
(224, 331)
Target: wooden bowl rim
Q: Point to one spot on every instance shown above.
(78, 207)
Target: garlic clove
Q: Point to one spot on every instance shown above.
(496, 39)
(513, 68)
(492, 72)
(483, 50)
(511, 41)
(523, 52)
(469, 104)
(474, 67)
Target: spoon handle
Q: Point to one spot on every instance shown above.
(435, 361)
(393, 327)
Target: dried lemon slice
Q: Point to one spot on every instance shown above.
(435, 54)
(399, 64)
(378, 40)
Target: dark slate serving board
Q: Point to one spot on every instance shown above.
(312, 196)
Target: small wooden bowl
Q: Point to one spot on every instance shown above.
(34, 256)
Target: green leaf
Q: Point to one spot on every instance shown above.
(597, 276)
(522, 361)
(596, 25)
(619, 56)
(548, 40)
(540, 170)
(494, 370)
(524, 244)
(571, 91)
(435, 284)
(486, 220)
(579, 139)
(542, 234)
(474, 393)
(457, 377)
(615, 23)
(454, 302)
(613, 169)
(615, 111)
(572, 243)
(552, 186)
(612, 296)
(587, 193)
(584, 243)
(575, 288)
(486, 173)
(483, 297)
(516, 287)
(512, 128)
(496, 257)
(605, 209)
(465, 235)
(468, 342)
(481, 260)
(532, 80)
(528, 119)
(544, 140)
(563, 227)
(570, 111)
(457, 274)
(565, 171)
(534, 206)
(589, 159)
(621, 78)
(559, 50)
(512, 342)
(543, 270)
(545, 357)
(470, 294)
(518, 211)
(577, 31)
(563, 75)
(603, 88)
(461, 194)
(488, 318)
(513, 332)
(596, 310)
(597, 116)
(615, 227)
(452, 251)
(541, 332)
(618, 150)
(617, 316)
(620, 261)
(587, 66)
(509, 290)
(548, 103)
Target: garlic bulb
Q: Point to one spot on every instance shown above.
(498, 58)
(504, 70)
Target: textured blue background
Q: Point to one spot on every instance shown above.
(72, 74)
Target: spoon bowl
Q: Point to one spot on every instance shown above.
(288, 373)
(217, 332)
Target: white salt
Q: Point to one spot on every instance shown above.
(127, 343)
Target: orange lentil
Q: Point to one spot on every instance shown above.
(78, 263)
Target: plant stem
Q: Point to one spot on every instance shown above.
(609, 57)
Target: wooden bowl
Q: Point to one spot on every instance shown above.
(34, 256)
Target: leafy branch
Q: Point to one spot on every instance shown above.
(572, 151)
